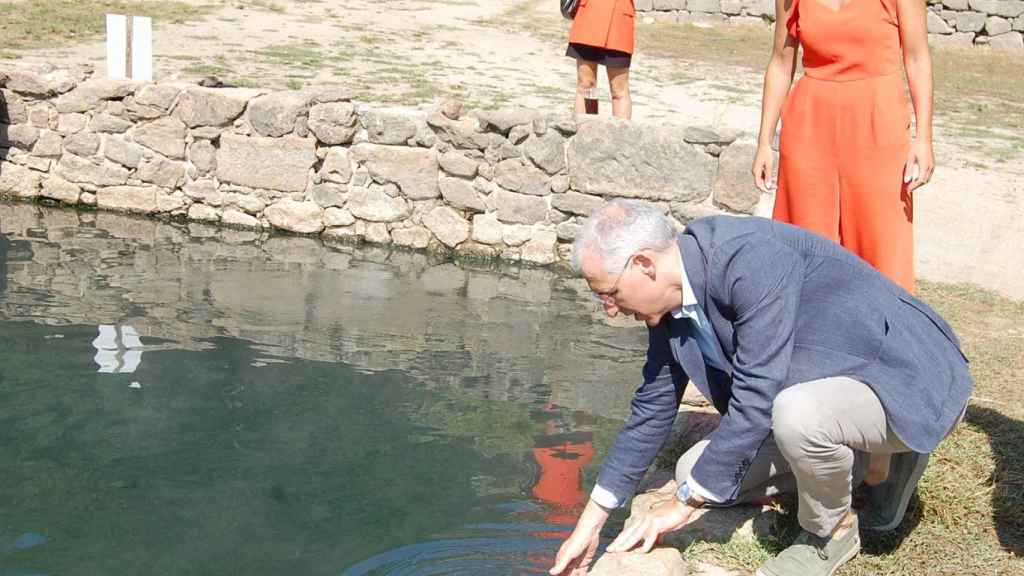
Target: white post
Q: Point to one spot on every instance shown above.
(129, 47)
(142, 49)
(117, 46)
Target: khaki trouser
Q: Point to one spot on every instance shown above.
(822, 434)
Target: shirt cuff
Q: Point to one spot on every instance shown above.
(604, 498)
(703, 492)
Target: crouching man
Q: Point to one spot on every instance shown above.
(814, 359)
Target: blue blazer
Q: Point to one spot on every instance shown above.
(786, 306)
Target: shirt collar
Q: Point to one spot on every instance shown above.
(689, 298)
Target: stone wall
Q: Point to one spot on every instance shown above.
(997, 23)
(511, 184)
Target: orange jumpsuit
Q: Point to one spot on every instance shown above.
(845, 134)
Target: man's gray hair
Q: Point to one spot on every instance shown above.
(620, 229)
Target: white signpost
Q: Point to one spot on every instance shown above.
(129, 47)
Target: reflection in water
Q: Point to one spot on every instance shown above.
(306, 409)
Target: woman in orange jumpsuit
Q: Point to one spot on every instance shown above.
(847, 165)
(603, 33)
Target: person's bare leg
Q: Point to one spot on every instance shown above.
(622, 104)
(878, 469)
(586, 78)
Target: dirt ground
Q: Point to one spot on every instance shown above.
(969, 221)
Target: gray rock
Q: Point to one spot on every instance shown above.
(956, 39)
(709, 6)
(298, 217)
(461, 194)
(109, 124)
(203, 213)
(604, 159)
(464, 133)
(203, 156)
(457, 164)
(1008, 41)
(516, 234)
(12, 108)
(205, 191)
(568, 231)
(936, 25)
(337, 166)
(23, 158)
(276, 114)
(125, 153)
(666, 5)
(734, 186)
(547, 152)
(374, 205)
(199, 106)
(541, 248)
(18, 181)
(414, 170)
(332, 94)
(487, 229)
(49, 145)
(412, 237)
(518, 134)
(338, 217)
(500, 149)
(334, 123)
(207, 132)
(60, 189)
(1018, 24)
(166, 136)
(576, 203)
(82, 144)
(759, 8)
(970, 22)
(955, 4)
(560, 184)
(162, 172)
(376, 233)
(137, 199)
(708, 135)
(328, 194)
(41, 116)
(81, 171)
(271, 163)
(238, 219)
(685, 212)
(505, 119)
(517, 175)
(72, 123)
(158, 96)
(87, 95)
(39, 84)
(995, 25)
(171, 202)
(732, 7)
(451, 108)
(447, 225)
(18, 136)
(1009, 8)
(518, 208)
(246, 202)
(393, 128)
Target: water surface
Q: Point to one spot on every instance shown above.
(175, 403)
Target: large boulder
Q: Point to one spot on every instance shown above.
(413, 170)
(374, 204)
(18, 181)
(334, 123)
(39, 83)
(12, 108)
(199, 106)
(271, 163)
(88, 94)
(464, 133)
(515, 208)
(517, 175)
(447, 225)
(651, 162)
(137, 199)
(166, 136)
(298, 217)
(734, 185)
(277, 114)
(386, 127)
(462, 194)
(162, 172)
(81, 171)
(547, 151)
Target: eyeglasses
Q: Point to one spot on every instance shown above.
(608, 296)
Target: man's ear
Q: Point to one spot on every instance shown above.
(645, 260)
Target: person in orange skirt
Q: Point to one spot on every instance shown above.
(603, 33)
(847, 165)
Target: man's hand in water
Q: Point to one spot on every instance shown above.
(576, 553)
(671, 515)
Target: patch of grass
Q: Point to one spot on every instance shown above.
(968, 515)
(45, 23)
(306, 54)
(742, 46)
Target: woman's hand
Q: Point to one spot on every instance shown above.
(920, 164)
(764, 168)
(671, 515)
(577, 553)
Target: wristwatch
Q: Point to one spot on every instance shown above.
(686, 495)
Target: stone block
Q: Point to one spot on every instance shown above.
(277, 114)
(281, 164)
(333, 123)
(414, 170)
(166, 136)
(298, 217)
